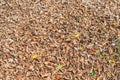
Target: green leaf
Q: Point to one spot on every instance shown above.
(59, 66)
(78, 20)
(92, 72)
(102, 56)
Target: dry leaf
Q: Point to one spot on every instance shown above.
(112, 62)
(91, 51)
(57, 77)
(35, 56)
(59, 66)
(77, 35)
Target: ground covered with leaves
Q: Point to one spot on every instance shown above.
(59, 40)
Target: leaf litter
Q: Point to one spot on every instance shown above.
(79, 34)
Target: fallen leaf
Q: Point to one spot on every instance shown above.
(62, 17)
(97, 51)
(77, 35)
(59, 66)
(81, 48)
(57, 77)
(1, 53)
(92, 72)
(78, 20)
(91, 51)
(102, 56)
(88, 15)
(35, 56)
(115, 24)
(109, 74)
(112, 62)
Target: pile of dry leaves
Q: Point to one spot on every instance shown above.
(59, 39)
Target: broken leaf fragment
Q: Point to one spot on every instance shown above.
(35, 56)
(92, 72)
(59, 67)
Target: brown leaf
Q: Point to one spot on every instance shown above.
(91, 51)
(57, 77)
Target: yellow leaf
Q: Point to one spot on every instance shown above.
(81, 48)
(34, 56)
(109, 74)
(115, 24)
(62, 17)
(76, 35)
(102, 56)
(97, 51)
(112, 62)
(87, 15)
